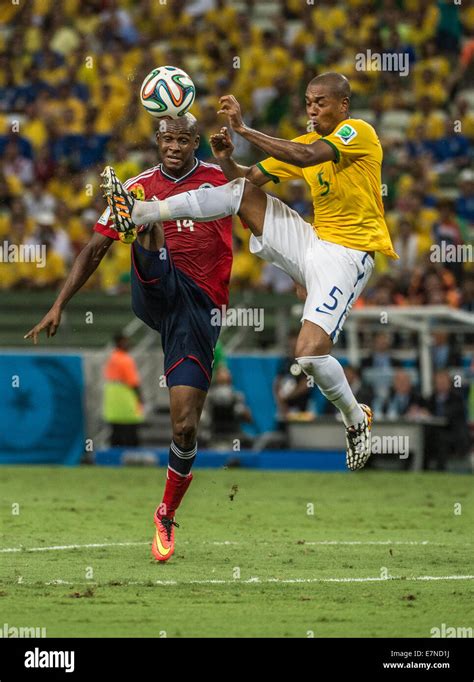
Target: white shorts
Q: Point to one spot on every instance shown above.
(333, 275)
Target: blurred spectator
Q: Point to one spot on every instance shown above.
(278, 104)
(426, 114)
(291, 387)
(465, 116)
(421, 144)
(407, 245)
(34, 128)
(447, 231)
(226, 409)
(449, 28)
(384, 292)
(451, 439)
(403, 400)
(123, 403)
(380, 357)
(38, 200)
(452, 150)
(378, 369)
(431, 87)
(47, 232)
(444, 352)
(467, 293)
(433, 285)
(44, 165)
(17, 165)
(208, 123)
(465, 202)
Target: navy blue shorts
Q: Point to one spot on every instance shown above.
(168, 301)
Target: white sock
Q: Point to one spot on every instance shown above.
(332, 382)
(201, 205)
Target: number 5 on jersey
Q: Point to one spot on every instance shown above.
(323, 183)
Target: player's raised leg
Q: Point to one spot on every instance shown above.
(201, 205)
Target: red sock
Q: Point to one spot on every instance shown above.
(175, 490)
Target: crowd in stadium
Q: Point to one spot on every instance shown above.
(69, 84)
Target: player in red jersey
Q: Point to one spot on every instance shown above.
(180, 273)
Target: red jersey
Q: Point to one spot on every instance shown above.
(203, 251)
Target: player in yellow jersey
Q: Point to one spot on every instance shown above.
(332, 259)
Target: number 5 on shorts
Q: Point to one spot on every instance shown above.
(327, 305)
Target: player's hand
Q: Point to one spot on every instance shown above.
(50, 322)
(221, 144)
(231, 108)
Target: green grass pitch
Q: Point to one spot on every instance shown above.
(251, 559)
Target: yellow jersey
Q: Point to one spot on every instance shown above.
(347, 192)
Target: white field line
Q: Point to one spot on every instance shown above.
(259, 581)
(370, 542)
(56, 548)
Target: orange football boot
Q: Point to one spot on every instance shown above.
(163, 542)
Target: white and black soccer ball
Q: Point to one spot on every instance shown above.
(167, 91)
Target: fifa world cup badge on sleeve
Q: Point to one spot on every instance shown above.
(346, 133)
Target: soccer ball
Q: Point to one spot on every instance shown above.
(167, 91)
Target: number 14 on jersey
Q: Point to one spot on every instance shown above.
(183, 224)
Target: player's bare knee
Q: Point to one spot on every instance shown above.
(185, 431)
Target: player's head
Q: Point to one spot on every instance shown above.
(327, 101)
(177, 141)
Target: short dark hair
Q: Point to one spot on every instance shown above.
(336, 82)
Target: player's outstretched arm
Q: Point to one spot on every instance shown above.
(82, 268)
(296, 153)
(222, 149)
